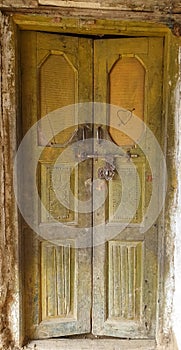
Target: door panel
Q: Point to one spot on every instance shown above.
(57, 276)
(111, 288)
(128, 71)
(128, 74)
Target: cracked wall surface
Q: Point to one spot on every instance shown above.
(165, 12)
(8, 218)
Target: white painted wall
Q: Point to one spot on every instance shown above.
(176, 316)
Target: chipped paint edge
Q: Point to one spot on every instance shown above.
(14, 316)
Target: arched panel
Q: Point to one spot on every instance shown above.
(57, 88)
(127, 90)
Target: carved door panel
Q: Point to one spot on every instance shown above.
(56, 71)
(109, 289)
(128, 73)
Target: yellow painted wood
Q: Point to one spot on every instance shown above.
(59, 281)
(31, 293)
(125, 284)
(135, 181)
(116, 307)
(126, 89)
(75, 26)
(56, 277)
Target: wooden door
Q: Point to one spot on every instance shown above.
(109, 289)
(55, 71)
(127, 73)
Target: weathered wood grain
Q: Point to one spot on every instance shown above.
(87, 344)
(134, 6)
(139, 5)
(18, 3)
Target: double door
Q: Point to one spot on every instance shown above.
(94, 268)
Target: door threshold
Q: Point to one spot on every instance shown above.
(93, 344)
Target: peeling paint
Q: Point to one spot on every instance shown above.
(9, 285)
(176, 319)
(8, 238)
(18, 3)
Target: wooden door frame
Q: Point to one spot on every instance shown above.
(111, 27)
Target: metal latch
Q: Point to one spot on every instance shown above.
(107, 172)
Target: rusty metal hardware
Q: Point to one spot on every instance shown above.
(99, 134)
(107, 173)
(131, 155)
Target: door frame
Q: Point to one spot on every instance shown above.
(113, 27)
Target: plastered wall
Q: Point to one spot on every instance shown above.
(167, 12)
